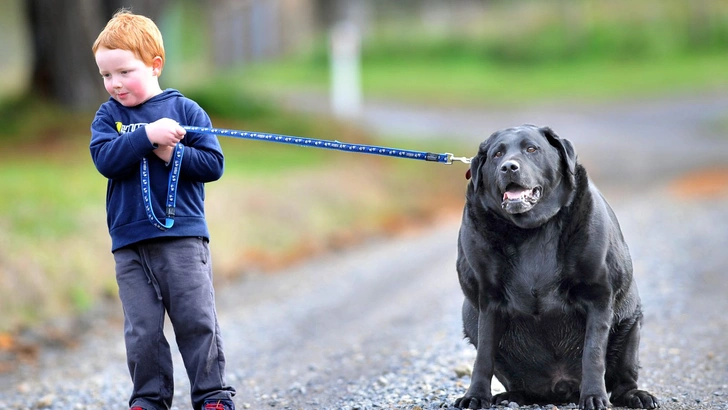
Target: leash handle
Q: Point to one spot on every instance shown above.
(445, 158)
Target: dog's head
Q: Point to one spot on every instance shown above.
(525, 174)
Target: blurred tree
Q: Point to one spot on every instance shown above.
(62, 32)
(327, 12)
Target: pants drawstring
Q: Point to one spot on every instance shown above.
(150, 275)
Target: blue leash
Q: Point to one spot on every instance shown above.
(445, 158)
(171, 190)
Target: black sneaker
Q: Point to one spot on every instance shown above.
(218, 404)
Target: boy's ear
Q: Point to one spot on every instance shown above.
(157, 65)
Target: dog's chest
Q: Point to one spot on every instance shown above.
(532, 285)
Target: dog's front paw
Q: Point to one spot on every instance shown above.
(474, 402)
(597, 401)
(636, 399)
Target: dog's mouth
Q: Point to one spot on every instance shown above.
(518, 199)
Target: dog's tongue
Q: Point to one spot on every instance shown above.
(514, 193)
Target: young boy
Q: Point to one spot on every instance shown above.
(154, 168)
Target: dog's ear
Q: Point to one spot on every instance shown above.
(476, 163)
(566, 151)
(474, 172)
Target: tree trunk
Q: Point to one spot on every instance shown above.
(62, 33)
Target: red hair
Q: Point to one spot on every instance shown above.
(132, 32)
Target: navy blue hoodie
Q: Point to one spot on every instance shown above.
(118, 144)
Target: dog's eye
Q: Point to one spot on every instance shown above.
(531, 150)
(498, 154)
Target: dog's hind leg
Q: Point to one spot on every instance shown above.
(622, 380)
(470, 322)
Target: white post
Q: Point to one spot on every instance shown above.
(345, 61)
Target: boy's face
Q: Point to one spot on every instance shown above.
(126, 78)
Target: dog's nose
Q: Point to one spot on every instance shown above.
(510, 166)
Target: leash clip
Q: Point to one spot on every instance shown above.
(451, 158)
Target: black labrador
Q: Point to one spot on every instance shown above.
(550, 302)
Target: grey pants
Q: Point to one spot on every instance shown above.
(172, 275)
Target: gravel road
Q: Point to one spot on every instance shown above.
(378, 327)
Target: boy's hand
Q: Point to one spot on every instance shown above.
(165, 132)
(165, 153)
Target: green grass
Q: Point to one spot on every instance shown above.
(38, 188)
(51, 218)
(471, 81)
(266, 159)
